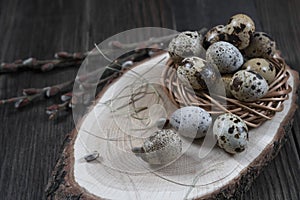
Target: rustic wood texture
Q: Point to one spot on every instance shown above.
(30, 145)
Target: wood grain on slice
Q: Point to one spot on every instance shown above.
(118, 174)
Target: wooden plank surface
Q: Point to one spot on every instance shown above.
(30, 144)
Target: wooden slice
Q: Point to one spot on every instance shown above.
(112, 128)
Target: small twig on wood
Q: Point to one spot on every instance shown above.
(61, 60)
(31, 94)
(53, 110)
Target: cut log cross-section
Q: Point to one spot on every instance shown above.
(113, 129)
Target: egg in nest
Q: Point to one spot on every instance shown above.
(197, 73)
(248, 86)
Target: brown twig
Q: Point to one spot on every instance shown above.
(32, 94)
(61, 60)
(53, 110)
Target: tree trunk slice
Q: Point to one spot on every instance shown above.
(119, 174)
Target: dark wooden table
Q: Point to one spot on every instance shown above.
(30, 144)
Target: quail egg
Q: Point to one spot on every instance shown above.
(215, 34)
(197, 73)
(226, 78)
(186, 44)
(239, 30)
(231, 133)
(225, 56)
(248, 86)
(261, 46)
(191, 121)
(163, 147)
(262, 67)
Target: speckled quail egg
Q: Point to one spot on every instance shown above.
(215, 34)
(163, 147)
(197, 73)
(248, 86)
(225, 56)
(262, 67)
(186, 44)
(261, 46)
(226, 78)
(231, 133)
(239, 30)
(191, 121)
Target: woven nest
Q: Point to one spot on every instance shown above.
(253, 113)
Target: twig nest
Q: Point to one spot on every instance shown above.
(262, 67)
(228, 47)
(231, 133)
(215, 34)
(226, 78)
(239, 30)
(261, 46)
(163, 147)
(248, 86)
(184, 45)
(191, 121)
(197, 73)
(225, 56)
